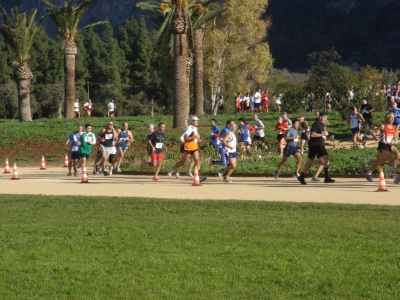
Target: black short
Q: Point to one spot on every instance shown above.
(355, 130)
(368, 121)
(182, 148)
(280, 136)
(257, 105)
(259, 138)
(75, 155)
(111, 158)
(316, 150)
(383, 146)
(84, 155)
(191, 151)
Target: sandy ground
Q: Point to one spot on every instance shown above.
(53, 181)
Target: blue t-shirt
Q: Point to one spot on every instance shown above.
(75, 138)
(289, 133)
(214, 138)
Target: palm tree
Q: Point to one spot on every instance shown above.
(182, 18)
(19, 37)
(67, 19)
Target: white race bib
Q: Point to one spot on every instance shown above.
(159, 145)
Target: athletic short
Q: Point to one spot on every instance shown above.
(155, 157)
(355, 130)
(107, 150)
(182, 148)
(396, 121)
(316, 150)
(290, 150)
(280, 136)
(75, 155)
(304, 136)
(191, 151)
(245, 143)
(259, 138)
(84, 155)
(230, 155)
(383, 146)
(368, 121)
(124, 146)
(257, 105)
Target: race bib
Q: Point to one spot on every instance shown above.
(295, 140)
(389, 139)
(159, 145)
(108, 136)
(75, 148)
(353, 123)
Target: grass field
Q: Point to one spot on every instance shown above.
(55, 247)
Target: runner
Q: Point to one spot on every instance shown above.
(281, 128)
(366, 110)
(214, 138)
(182, 151)
(87, 139)
(355, 119)
(245, 130)
(125, 139)
(386, 152)
(259, 135)
(305, 133)
(88, 108)
(144, 163)
(317, 148)
(221, 148)
(73, 154)
(191, 146)
(229, 142)
(156, 142)
(291, 138)
(107, 139)
(76, 109)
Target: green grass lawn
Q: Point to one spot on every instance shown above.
(55, 247)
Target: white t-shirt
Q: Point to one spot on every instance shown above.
(257, 96)
(189, 131)
(76, 106)
(111, 106)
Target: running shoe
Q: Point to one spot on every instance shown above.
(170, 172)
(117, 169)
(390, 173)
(142, 164)
(177, 175)
(95, 169)
(69, 174)
(276, 175)
(156, 178)
(190, 174)
(203, 178)
(329, 180)
(110, 169)
(296, 175)
(75, 171)
(315, 179)
(362, 168)
(396, 179)
(221, 173)
(301, 179)
(368, 177)
(106, 173)
(228, 179)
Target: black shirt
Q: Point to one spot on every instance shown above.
(317, 127)
(157, 140)
(364, 108)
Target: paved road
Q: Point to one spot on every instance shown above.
(53, 181)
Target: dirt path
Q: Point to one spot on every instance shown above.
(53, 181)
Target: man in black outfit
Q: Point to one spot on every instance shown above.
(316, 148)
(366, 110)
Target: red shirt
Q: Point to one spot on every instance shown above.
(282, 127)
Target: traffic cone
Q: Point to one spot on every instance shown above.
(15, 173)
(382, 183)
(84, 174)
(66, 160)
(7, 167)
(196, 178)
(42, 164)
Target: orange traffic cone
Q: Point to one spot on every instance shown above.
(196, 178)
(66, 160)
(42, 164)
(7, 167)
(382, 183)
(84, 174)
(15, 173)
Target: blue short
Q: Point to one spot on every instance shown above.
(304, 135)
(290, 150)
(230, 155)
(124, 146)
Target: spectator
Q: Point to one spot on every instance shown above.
(88, 108)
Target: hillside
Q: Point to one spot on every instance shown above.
(363, 31)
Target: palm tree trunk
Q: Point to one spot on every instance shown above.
(23, 77)
(69, 81)
(181, 84)
(198, 72)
